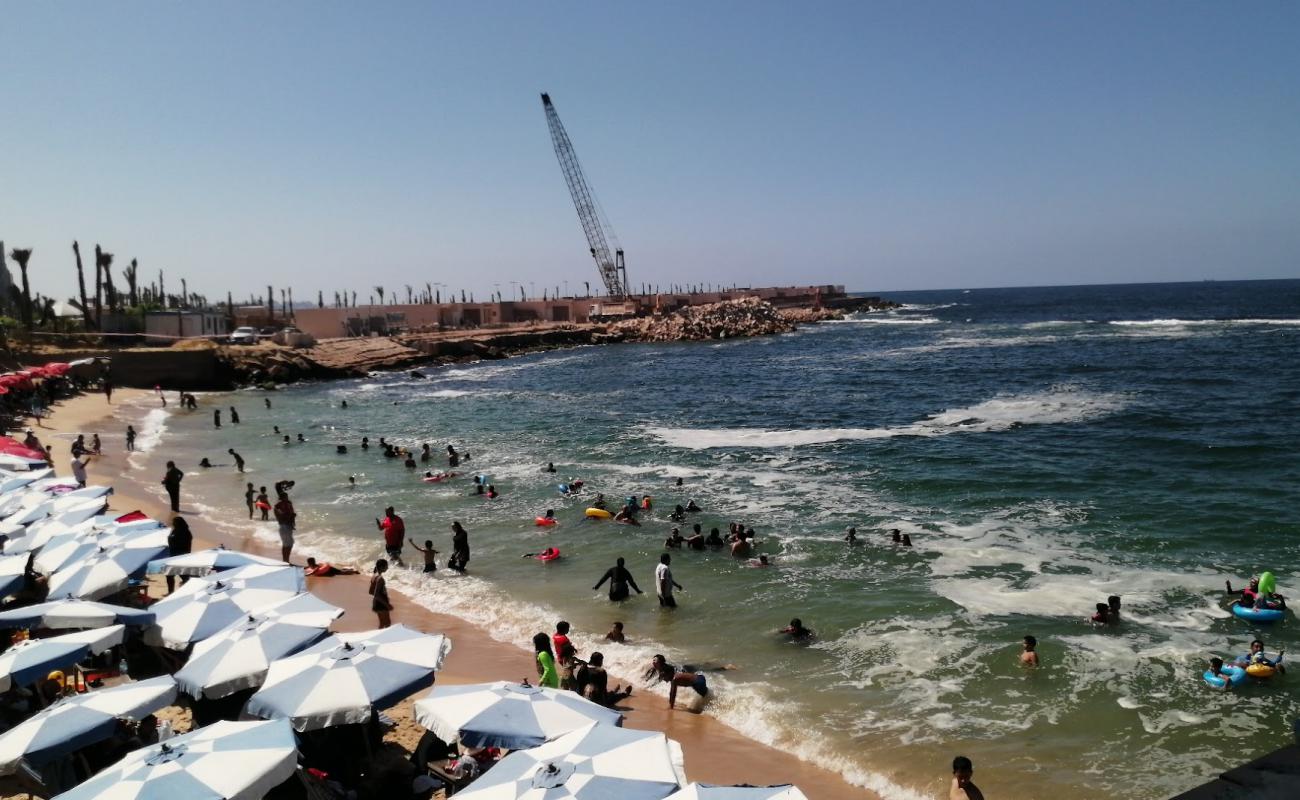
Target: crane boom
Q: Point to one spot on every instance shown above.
(610, 263)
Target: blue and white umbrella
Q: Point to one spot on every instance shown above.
(13, 572)
(69, 548)
(222, 761)
(238, 656)
(348, 676)
(508, 715)
(706, 791)
(73, 613)
(204, 562)
(591, 763)
(75, 722)
(32, 659)
(103, 573)
(204, 606)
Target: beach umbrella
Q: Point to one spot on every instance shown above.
(346, 677)
(200, 608)
(12, 481)
(593, 762)
(69, 548)
(32, 659)
(509, 715)
(706, 791)
(13, 574)
(238, 656)
(12, 447)
(204, 562)
(103, 573)
(72, 723)
(73, 613)
(222, 761)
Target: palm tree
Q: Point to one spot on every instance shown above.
(129, 273)
(22, 256)
(409, 290)
(320, 298)
(99, 287)
(81, 286)
(354, 298)
(379, 290)
(108, 282)
(428, 292)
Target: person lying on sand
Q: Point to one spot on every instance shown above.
(326, 570)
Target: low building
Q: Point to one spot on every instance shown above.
(164, 327)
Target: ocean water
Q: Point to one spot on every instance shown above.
(1044, 448)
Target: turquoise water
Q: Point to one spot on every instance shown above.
(1044, 448)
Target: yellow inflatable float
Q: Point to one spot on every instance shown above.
(598, 513)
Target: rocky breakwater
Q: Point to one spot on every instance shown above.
(748, 316)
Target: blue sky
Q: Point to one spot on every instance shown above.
(884, 146)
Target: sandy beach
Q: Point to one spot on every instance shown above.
(715, 753)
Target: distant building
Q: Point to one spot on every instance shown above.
(164, 327)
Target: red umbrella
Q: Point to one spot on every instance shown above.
(132, 516)
(57, 368)
(12, 447)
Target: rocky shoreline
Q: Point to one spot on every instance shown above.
(199, 364)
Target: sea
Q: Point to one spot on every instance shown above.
(1043, 448)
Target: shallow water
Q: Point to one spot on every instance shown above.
(1043, 448)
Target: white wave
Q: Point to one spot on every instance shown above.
(448, 393)
(1001, 413)
(150, 434)
(1175, 323)
(928, 306)
(891, 320)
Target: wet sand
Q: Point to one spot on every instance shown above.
(715, 753)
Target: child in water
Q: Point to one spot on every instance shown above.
(1029, 652)
(616, 634)
(430, 555)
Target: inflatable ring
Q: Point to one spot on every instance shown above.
(1258, 614)
(1231, 675)
(549, 554)
(262, 504)
(1260, 671)
(546, 521)
(598, 513)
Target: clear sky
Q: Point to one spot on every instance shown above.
(904, 145)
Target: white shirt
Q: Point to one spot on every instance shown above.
(78, 470)
(664, 580)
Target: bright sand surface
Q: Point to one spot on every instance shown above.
(715, 753)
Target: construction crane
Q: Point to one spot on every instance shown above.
(599, 233)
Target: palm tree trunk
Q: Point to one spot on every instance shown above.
(22, 256)
(99, 288)
(81, 286)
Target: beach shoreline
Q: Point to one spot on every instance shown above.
(715, 752)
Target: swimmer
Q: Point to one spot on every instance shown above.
(741, 548)
(696, 541)
(300, 438)
(341, 449)
(492, 492)
(343, 404)
(645, 503)
(1256, 656)
(627, 516)
(276, 429)
(325, 570)
(267, 400)
(410, 461)
(425, 453)
(365, 442)
(907, 540)
(678, 515)
(715, 538)
(674, 539)
(205, 462)
(963, 788)
(550, 514)
(599, 502)
(691, 507)
(761, 561)
(352, 481)
(679, 481)
(286, 440)
(852, 536)
(1216, 669)
(1102, 616)
(550, 467)
(1113, 603)
(1029, 652)
(796, 631)
(661, 670)
(616, 634)
(896, 536)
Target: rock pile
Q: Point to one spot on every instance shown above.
(804, 316)
(745, 317)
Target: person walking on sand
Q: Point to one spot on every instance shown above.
(394, 533)
(172, 483)
(234, 416)
(379, 602)
(216, 418)
(664, 583)
(239, 460)
(179, 542)
(79, 470)
(250, 499)
(963, 788)
(130, 438)
(619, 580)
(287, 518)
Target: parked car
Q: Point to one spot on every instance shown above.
(245, 335)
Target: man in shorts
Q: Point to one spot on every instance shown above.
(394, 533)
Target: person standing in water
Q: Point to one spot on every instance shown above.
(664, 583)
(1029, 652)
(130, 438)
(234, 416)
(619, 580)
(963, 788)
(379, 602)
(250, 499)
(453, 458)
(267, 400)
(216, 418)
(430, 555)
(394, 533)
(239, 460)
(459, 547)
